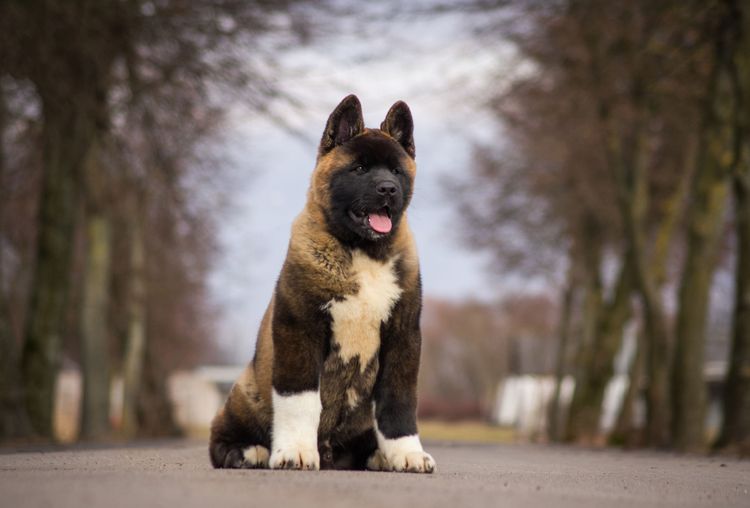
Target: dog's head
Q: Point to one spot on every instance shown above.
(364, 178)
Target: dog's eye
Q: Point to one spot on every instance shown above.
(359, 169)
(396, 170)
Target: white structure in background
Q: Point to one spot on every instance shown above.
(522, 402)
(67, 414)
(198, 394)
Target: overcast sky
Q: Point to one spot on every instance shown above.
(433, 65)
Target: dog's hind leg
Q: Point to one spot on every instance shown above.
(240, 433)
(237, 446)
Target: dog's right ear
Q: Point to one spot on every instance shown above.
(344, 123)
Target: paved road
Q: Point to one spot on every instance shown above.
(177, 475)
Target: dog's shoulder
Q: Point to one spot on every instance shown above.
(316, 262)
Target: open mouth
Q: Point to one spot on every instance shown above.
(378, 221)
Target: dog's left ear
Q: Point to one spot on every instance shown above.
(399, 125)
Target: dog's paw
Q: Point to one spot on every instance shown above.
(412, 462)
(255, 457)
(403, 453)
(295, 458)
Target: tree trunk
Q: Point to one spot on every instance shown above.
(95, 330)
(658, 356)
(95, 306)
(630, 173)
(155, 411)
(591, 308)
(735, 432)
(566, 310)
(66, 139)
(14, 422)
(657, 424)
(586, 406)
(69, 65)
(709, 196)
(135, 347)
(625, 432)
(634, 204)
(689, 387)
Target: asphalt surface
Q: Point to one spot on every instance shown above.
(178, 475)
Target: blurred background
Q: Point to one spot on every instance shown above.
(582, 207)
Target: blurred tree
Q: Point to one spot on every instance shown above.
(168, 239)
(555, 418)
(632, 79)
(95, 329)
(595, 365)
(735, 433)
(601, 130)
(19, 172)
(736, 430)
(179, 76)
(135, 336)
(90, 64)
(13, 418)
(710, 187)
(625, 432)
(65, 50)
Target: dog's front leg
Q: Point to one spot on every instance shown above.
(395, 401)
(298, 356)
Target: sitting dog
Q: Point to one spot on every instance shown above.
(333, 383)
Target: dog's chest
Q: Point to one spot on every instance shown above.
(356, 319)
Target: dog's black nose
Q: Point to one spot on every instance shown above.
(386, 188)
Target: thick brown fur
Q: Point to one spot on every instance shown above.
(295, 347)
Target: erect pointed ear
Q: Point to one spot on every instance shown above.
(399, 125)
(344, 123)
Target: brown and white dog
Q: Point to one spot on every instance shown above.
(334, 380)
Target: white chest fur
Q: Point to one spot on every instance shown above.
(357, 318)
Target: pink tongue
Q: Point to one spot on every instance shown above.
(380, 222)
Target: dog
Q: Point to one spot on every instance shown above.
(333, 384)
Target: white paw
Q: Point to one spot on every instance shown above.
(412, 462)
(256, 457)
(403, 453)
(302, 458)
